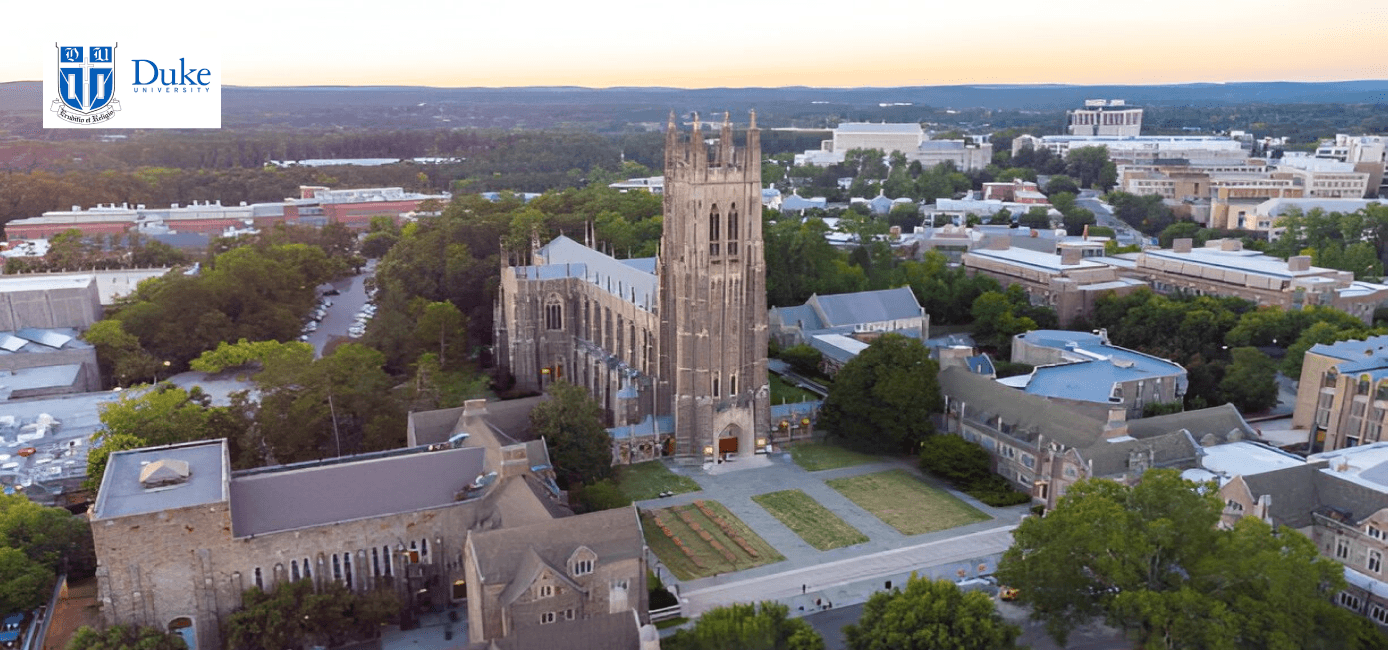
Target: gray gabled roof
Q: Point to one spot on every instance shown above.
(1110, 457)
(843, 309)
(1216, 420)
(1031, 415)
(619, 631)
(311, 496)
(611, 534)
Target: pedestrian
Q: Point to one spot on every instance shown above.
(804, 588)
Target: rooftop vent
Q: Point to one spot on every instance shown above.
(164, 472)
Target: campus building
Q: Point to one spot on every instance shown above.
(682, 335)
(1339, 499)
(1137, 149)
(1043, 446)
(315, 206)
(842, 325)
(1067, 280)
(1085, 372)
(1223, 268)
(1342, 397)
(180, 536)
(907, 138)
(1105, 117)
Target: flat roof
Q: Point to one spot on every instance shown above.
(121, 494)
(1091, 380)
(293, 498)
(1048, 262)
(1244, 261)
(1245, 458)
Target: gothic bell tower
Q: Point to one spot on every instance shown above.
(712, 274)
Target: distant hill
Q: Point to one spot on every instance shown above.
(613, 108)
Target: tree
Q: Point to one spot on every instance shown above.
(804, 359)
(441, 327)
(125, 637)
(955, 459)
(103, 445)
(1251, 381)
(1037, 217)
(1087, 165)
(767, 626)
(930, 615)
(571, 423)
(118, 354)
(1062, 183)
(883, 399)
(1150, 559)
(24, 583)
(159, 415)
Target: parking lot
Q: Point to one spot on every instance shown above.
(339, 318)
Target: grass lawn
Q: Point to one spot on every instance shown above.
(711, 561)
(906, 503)
(814, 523)
(816, 456)
(784, 393)
(647, 480)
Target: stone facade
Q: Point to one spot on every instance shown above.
(681, 336)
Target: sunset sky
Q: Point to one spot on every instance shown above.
(601, 43)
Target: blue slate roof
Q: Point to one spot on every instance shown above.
(980, 364)
(1092, 380)
(1347, 350)
(646, 427)
(797, 202)
(867, 306)
(803, 316)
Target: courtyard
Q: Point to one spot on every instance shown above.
(827, 525)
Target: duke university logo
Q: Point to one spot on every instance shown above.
(86, 84)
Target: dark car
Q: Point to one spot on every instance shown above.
(332, 292)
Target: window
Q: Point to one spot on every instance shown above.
(732, 384)
(714, 221)
(715, 387)
(337, 568)
(385, 553)
(583, 567)
(294, 570)
(546, 591)
(347, 568)
(1029, 461)
(1375, 562)
(1347, 599)
(620, 584)
(1341, 549)
(1233, 506)
(732, 230)
(1328, 381)
(375, 563)
(308, 572)
(546, 618)
(259, 582)
(1379, 614)
(1374, 532)
(569, 614)
(1363, 388)
(423, 550)
(554, 314)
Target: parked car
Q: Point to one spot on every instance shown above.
(331, 292)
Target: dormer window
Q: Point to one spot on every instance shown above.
(582, 561)
(583, 567)
(546, 591)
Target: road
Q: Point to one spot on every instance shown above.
(1103, 214)
(345, 307)
(850, 580)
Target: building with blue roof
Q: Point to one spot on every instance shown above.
(1085, 371)
(1342, 396)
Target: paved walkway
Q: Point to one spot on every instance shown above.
(848, 574)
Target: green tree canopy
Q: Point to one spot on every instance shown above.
(571, 423)
(767, 626)
(1149, 559)
(125, 637)
(882, 400)
(930, 615)
(1251, 381)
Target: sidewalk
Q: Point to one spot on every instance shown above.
(842, 575)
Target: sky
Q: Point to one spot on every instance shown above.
(728, 43)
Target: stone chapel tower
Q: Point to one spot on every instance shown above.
(712, 274)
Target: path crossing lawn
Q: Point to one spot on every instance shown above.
(814, 523)
(816, 456)
(647, 480)
(784, 393)
(906, 503)
(711, 550)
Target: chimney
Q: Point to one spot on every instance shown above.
(1299, 263)
(1070, 256)
(1231, 245)
(1182, 245)
(999, 242)
(1085, 233)
(474, 407)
